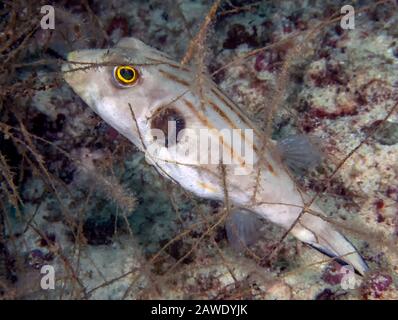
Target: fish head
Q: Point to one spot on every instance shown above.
(160, 111)
(123, 84)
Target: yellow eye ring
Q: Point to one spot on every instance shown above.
(126, 75)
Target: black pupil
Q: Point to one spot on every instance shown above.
(127, 74)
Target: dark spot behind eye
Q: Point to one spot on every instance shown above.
(161, 121)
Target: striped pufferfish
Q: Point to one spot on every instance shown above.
(137, 88)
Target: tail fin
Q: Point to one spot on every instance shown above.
(321, 235)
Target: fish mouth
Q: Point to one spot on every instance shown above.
(75, 60)
(68, 68)
(79, 76)
(77, 67)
